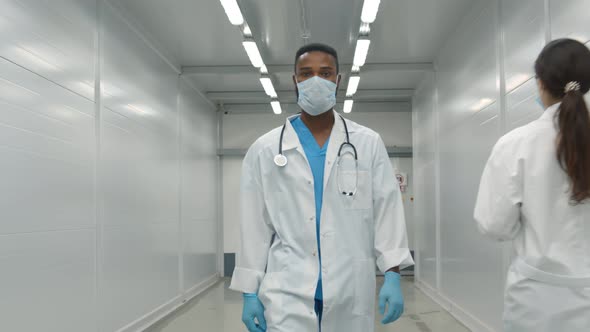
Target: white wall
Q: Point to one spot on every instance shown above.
(241, 130)
(484, 86)
(108, 200)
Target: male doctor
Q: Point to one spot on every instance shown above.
(320, 208)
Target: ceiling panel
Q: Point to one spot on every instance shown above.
(194, 32)
(284, 26)
(198, 33)
(414, 31)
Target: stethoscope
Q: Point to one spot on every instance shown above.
(281, 160)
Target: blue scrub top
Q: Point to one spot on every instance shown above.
(316, 157)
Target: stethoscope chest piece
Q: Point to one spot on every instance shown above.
(280, 160)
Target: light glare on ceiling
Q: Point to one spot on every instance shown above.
(516, 81)
(483, 103)
(233, 12)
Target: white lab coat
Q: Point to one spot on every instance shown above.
(279, 253)
(524, 197)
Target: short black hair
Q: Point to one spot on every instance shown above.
(317, 47)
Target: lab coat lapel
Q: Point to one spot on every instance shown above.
(337, 137)
(291, 140)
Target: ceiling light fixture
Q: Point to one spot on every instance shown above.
(370, 9)
(348, 105)
(268, 87)
(276, 107)
(353, 84)
(365, 29)
(246, 30)
(253, 53)
(233, 12)
(361, 51)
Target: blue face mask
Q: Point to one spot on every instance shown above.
(316, 95)
(540, 101)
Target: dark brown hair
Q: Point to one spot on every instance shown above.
(562, 62)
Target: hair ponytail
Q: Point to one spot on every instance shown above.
(564, 69)
(573, 144)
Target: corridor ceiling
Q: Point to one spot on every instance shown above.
(197, 34)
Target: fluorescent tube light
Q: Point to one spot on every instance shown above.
(233, 12)
(353, 84)
(361, 51)
(247, 32)
(365, 29)
(268, 87)
(276, 107)
(348, 105)
(253, 53)
(370, 9)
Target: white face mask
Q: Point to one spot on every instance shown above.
(316, 95)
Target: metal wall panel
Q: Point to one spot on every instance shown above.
(54, 39)
(469, 113)
(198, 187)
(479, 97)
(523, 27)
(569, 18)
(139, 176)
(47, 158)
(424, 126)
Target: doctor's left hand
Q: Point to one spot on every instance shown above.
(391, 294)
(253, 311)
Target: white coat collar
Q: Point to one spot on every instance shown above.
(551, 111)
(291, 140)
(337, 137)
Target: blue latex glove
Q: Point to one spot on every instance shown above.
(391, 294)
(253, 309)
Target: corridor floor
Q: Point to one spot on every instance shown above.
(219, 310)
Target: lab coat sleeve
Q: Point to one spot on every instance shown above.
(497, 211)
(256, 232)
(391, 239)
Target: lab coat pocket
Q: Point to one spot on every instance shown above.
(269, 294)
(357, 183)
(364, 287)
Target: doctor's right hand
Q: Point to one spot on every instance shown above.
(253, 309)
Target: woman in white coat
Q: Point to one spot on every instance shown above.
(535, 190)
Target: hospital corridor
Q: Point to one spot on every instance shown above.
(294, 165)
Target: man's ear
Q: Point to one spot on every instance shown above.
(296, 88)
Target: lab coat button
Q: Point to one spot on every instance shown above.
(315, 253)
